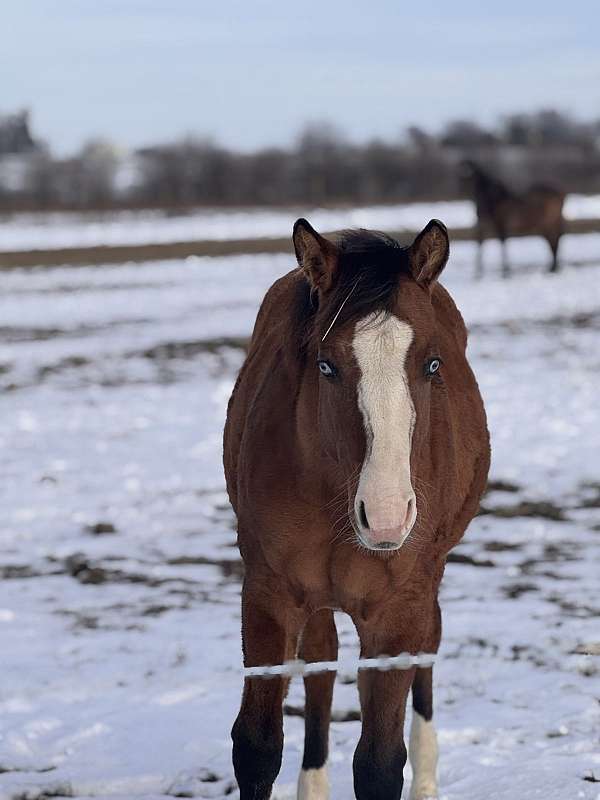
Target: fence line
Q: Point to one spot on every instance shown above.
(295, 667)
(404, 661)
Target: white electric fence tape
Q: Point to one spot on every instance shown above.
(298, 667)
(290, 669)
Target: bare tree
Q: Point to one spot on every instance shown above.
(322, 167)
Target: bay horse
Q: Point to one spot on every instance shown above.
(356, 452)
(502, 213)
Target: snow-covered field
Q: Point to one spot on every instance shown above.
(56, 230)
(119, 579)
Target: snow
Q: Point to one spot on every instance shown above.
(47, 231)
(120, 649)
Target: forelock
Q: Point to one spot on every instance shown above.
(370, 267)
(371, 264)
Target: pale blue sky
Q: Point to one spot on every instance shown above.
(252, 72)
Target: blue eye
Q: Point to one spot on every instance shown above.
(432, 366)
(326, 368)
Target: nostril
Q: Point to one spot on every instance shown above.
(409, 511)
(362, 515)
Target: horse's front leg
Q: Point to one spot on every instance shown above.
(271, 624)
(381, 753)
(479, 262)
(380, 757)
(504, 248)
(319, 643)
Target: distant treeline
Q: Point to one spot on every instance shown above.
(323, 167)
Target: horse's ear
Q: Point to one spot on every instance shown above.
(429, 252)
(317, 256)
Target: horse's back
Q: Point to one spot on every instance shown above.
(537, 210)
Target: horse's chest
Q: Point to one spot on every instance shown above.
(346, 578)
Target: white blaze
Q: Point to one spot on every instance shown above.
(380, 345)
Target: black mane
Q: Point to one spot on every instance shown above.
(369, 268)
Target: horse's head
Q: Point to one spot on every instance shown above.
(377, 358)
(468, 172)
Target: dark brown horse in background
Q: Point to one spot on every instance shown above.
(356, 452)
(502, 213)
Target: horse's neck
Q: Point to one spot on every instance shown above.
(489, 191)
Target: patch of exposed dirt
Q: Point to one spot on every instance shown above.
(516, 590)
(231, 568)
(185, 350)
(462, 558)
(190, 788)
(17, 571)
(101, 528)
(572, 609)
(13, 335)
(522, 327)
(70, 362)
(501, 486)
(54, 791)
(87, 571)
(502, 547)
(525, 652)
(541, 509)
(114, 372)
(38, 770)
(470, 645)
